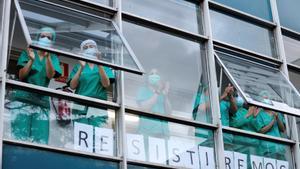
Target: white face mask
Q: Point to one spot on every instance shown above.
(90, 53)
(239, 101)
(45, 42)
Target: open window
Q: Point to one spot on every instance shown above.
(259, 84)
(72, 27)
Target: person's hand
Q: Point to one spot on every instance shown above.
(275, 115)
(256, 111)
(30, 53)
(82, 63)
(99, 55)
(229, 90)
(166, 88)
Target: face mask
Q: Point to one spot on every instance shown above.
(239, 101)
(90, 53)
(154, 79)
(45, 42)
(267, 101)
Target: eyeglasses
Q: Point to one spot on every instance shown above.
(47, 36)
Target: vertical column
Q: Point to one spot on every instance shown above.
(281, 53)
(3, 57)
(121, 95)
(218, 136)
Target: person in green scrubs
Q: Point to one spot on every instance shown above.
(30, 112)
(273, 124)
(154, 98)
(88, 79)
(227, 108)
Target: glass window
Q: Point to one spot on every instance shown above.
(245, 35)
(237, 113)
(289, 13)
(257, 153)
(40, 119)
(292, 50)
(76, 34)
(259, 8)
(104, 2)
(295, 78)
(175, 82)
(178, 13)
(18, 157)
(261, 85)
(168, 143)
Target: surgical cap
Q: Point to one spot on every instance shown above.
(86, 42)
(48, 30)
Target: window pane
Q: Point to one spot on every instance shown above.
(175, 82)
(251, 151)
(104, 2)
(18, 157)
(245, 35)
(75, 33)
(179, 13)
(41, 119)
(289, 13)
(295, 78)
(259, 8)
(168, 143)
(292, 50)
(235, 112)
(262, 84)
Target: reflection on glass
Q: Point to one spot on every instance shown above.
(259, 8)
(292, 50)
(72, 28)
(57, 122)
(168, 87)
(19, 157)
(288, 13)
(178, 13)
(168, 143)
(262, 84)
(105, 2)
(245, 35)
(251, 151)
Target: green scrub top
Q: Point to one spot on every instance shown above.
(90, 81)
(36, 76)
(240, 121)
(150, 126)
(263, 119)
(224, 109)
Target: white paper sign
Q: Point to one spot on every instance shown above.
(269, 163)
(136, 147)
(83, 137)
(240, 160)
(157, 150)
(104, 140)
(191, 155)
(282, 164)
(175, 152)
(256, 162)
(207, 160)
(229, 159)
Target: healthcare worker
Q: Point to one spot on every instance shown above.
(90, 80)
(201, 110)
(154, 98)
(30, 117)
(228, 107)
(270, 123)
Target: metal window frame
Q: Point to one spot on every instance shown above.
(242, 15)
(60, 94)
(292, 111)
(25, 29)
